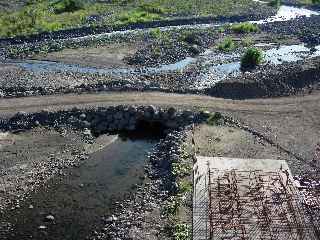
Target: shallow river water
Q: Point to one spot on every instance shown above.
(79, 199)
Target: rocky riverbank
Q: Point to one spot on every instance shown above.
(271, 81)
(142, 217)
(148, 199)
(265, 81)
(305, 28)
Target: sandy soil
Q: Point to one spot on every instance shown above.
(224, 141)
(109, 56)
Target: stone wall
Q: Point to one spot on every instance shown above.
(101, 120)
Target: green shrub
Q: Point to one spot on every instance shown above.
(275, 3)
(227, 45)
(215, 119)
(190, 37)
(181, 169)
(184, 186)
(155, 33)
(316, 1)
(221, 29)
(245, 27)
(62, 6)
(251, 58)
(181, 232)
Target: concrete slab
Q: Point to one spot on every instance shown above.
(247, 199)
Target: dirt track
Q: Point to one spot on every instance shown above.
(295, 104)
(293, 122)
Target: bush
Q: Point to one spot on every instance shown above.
(155, 33)
(227, 45)
(181, 232)
(181, 169)
(251, 58)
(184, 186)
(245, 27)
(275, 3)
(215, 119)
(190, 37)
(62, 6)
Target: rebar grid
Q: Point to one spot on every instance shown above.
(255, 205)
(251, 205)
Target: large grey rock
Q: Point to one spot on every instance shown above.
(164, 115)
(85, 124)
(126, 115)
(132, 110)
(49, 218)
(121, 124)
(187, 113)
(172, 124)
(118, 115)
(109, 118)
(172, 112)
(102, 127)
(82, 116)
(151, 109)
(20, 114)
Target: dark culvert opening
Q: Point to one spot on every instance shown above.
(153, 130)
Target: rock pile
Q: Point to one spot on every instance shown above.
(103, 119)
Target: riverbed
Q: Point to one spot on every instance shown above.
(74, 202)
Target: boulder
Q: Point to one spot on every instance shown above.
(172, 112)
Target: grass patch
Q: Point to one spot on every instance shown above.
(137, 16)
(43, 16)
(245, 27)
(215, 119)
(251, 58)
(153, 8)
(247, 42)
(51, 15)
(227, 45)
(155, 33)
(62, 6)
